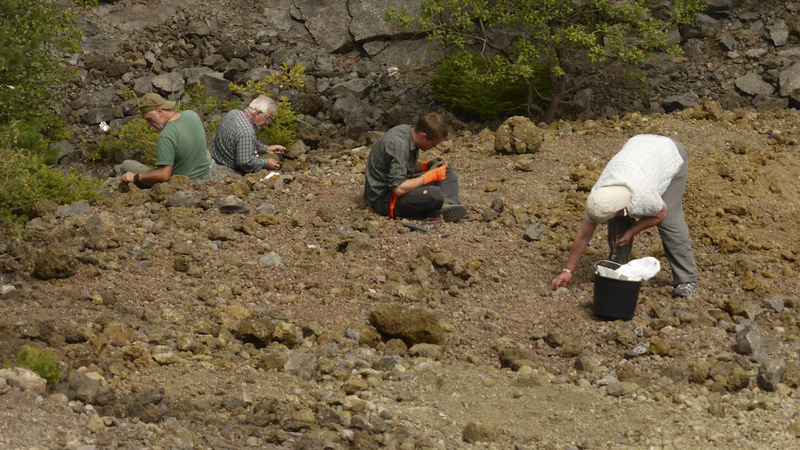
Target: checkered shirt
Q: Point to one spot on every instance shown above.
(646, 165)
(236, 144)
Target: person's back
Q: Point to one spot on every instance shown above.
(395, 146)
(231, 129)
(182, 145)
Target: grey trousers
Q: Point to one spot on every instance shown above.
(130, 165)
(673, 229)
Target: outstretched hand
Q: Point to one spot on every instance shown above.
(561, 280)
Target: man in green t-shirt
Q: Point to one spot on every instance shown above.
(180, 149)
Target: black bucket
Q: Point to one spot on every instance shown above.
(614, 299)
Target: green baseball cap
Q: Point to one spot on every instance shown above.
(149, 102)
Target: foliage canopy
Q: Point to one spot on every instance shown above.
(33, 34)
(530, 34)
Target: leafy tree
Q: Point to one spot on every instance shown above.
(531, 34)
(459, 86)
(33, 34)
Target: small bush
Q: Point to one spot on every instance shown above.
(282, 127)
(41, 362)
(288, 78)
(136, 138)
(198, 100)
(25, 177)
(128, 94)
(234, 103)
(211, 129)
(482, 85)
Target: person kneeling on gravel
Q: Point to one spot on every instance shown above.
(180, 148)
(642, 186)
(397, 185)
(236, 144)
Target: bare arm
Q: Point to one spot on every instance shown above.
(579, 245)
(641, 225)
(408, 186)
(160, 175)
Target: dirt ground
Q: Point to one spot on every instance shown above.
(741, 206)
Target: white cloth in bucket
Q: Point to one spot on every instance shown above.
(637, 270)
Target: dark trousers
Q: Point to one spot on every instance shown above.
(427, 201)
(673, 229)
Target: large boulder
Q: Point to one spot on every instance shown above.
(369, 23)
(753, 84)
(411, 325)
(56, 261)
(518, 135)
(790, 82)
(167, 83)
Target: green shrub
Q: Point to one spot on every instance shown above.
(553, 33)
(293, 77)
(211, 129)
(234, 103)
(288, 78)
(128, 94)
(25, 177)
(136, 137)
(282, 126)
(198, 100)
(42, 362)
(483, 86)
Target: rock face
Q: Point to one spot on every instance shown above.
(733, 56)
(411, 325)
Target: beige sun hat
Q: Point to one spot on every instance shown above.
(603, 203)
(149, 102)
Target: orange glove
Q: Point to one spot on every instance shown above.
(434, 175)
(434, 163)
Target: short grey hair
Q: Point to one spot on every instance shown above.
(262, 104)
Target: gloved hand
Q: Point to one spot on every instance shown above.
(434, 175)
(434, 163)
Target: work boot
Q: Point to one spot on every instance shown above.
(452, 213)
(684, 290)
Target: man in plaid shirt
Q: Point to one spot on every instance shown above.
(641, 187)
(236, 144)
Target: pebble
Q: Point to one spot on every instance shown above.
(6, 288)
